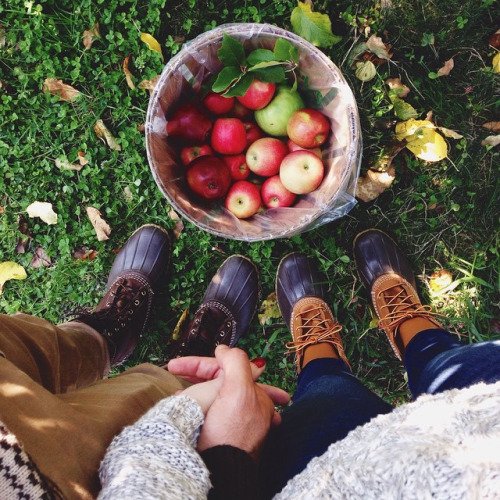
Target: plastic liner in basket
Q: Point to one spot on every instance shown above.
(321, 84)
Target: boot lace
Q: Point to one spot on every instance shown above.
(316, 328)
(400, 306)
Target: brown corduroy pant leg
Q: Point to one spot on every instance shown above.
(53, 398)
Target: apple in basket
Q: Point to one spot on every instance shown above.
(265, 155)
(301, 172)
(295, 147)
(189, 124)
(218, 104)
(275, 195)
(208, 177)
(229, 136)
(237, 166)
(308, 128)
(190, 153)
(258, 95)
(243, 199)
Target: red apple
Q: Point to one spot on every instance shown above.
(258, 95)
(295, 147)
(229, 136)
(189, 124)
(237, 166)
(301, 172)
(208, 177)
(308, 128)
(243, 199)
(264, 156)
(241, 112)
(275, 195)
(218, 104)
(253, 132)
(190, 153)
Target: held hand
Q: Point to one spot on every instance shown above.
(242, 411)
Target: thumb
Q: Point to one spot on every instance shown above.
(235, 366)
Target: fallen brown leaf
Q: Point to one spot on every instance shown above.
(447, 132)
(400, 88)
(2, 37)
(447, 67)
(373, 183)
(103, 133)
(40, 258)
(23, 226)
(128, 74)
(428, 116)
(61, 89)
(84, 253)
(2, 210)
(65, 164)
(378, 47)
(101, 227)
(141, 127)
(494, 40)
(491, 140)
(179, 225)
(493, 126)
(149, 84)
(82, 159)
(90, 35)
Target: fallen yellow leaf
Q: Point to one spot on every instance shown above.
(179, 225)
(269, 309)
(10, 271)
(439, 280)
(447, 132)
(64, 164)
(128, 74)
(58, 87)
(151, 42)
(496, 63)
(491, 140)
(149, 84)
(447, 67)
(180, 323)
(101, 227)
(374, 183)
(103, 133)
(43, 210)
(365, 71)
(409, 127)
(422, 139)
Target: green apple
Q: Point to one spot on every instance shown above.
(274, 117)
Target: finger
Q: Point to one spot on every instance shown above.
(194, 368)
(276, 420)
(277, 395)
(257, 371)
(235, 365)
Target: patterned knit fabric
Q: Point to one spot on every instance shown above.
(19, 476)
(445, 446)
(155, 457)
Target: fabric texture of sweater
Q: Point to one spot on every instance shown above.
(443, 446)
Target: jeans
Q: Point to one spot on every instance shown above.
(330, 402)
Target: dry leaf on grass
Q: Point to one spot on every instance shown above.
(65, 164)
(373, 184)
(82, 159)
(128, 74)
(90, 35)
(84, 253)
(447, 67)
(494, 40)
(179, 225)
(495, 63)
(439, 280)
(40, 258)
(269, 309)
(493, 126)
(149, 84)
(21, 245)
(127, 194)
(2, 210)
(10, 271)
(61, 89)
(398, 87)
(103, 133)
(101, 227)
(491, 140)
(180, 323)
(43, 210)
(378, 47)
(365, 71)
(447, 132)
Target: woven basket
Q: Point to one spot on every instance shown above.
(321, 84)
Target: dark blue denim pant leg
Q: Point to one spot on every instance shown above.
(436, 361)
(329, 402)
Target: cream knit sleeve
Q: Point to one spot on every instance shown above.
(156, 457)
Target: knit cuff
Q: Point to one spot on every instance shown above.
(233, 473)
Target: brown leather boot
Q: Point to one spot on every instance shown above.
(300, 295)
(226, 310)
(139, 270)
(386, 273)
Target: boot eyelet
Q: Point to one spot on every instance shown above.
(136, 302)
(228, 324)
(143, 293)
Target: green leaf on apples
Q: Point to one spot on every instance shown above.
(313, 26)
(228, 76)
(266, 64)
(275, 74)
(240, 86)
(403, 110)
(285, 51)
(231, 52)
(259, 56)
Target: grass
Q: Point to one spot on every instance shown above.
(442, 214)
